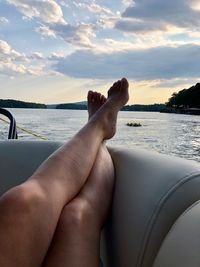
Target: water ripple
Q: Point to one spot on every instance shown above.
(171, 134)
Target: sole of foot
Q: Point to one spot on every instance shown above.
(95, 101)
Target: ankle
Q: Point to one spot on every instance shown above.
(97, 123)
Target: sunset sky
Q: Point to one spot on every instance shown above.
(55, 51)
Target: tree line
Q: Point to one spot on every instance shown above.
(186, 98)
(147, 108)
(151, 108)
(22, 104)
(72, 106)
(9, 103)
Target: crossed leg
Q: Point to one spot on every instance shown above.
(29, 213)
(77, 237)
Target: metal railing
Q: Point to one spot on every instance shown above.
(12, 134)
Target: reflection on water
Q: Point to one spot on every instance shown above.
(166, 133)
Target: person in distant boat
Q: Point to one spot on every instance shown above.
(54, 219)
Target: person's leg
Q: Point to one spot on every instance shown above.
(76, 242)
(29, 213)
(77, 237)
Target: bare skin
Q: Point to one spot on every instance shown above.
(29, 213)
(77, 238)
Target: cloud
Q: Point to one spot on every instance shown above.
(139, 26)
(157, 15)
(55, 56)
(8, 54)
(12, 62)
(3, 20)
(108, 22)
(95, 8)
(127, 3)
(148, 64)
(176, 82)
(11, 69)
(45, 31)
(47, 11)
(195, 5)
(5, 48)
(36, 56)
(89, 5)
(74, 34)
(52, 23)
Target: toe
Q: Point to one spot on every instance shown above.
(93, 99)
(95, 96)
(124, 82)
(103, 99)
(116, 84)
(89, 96)
(99, 97)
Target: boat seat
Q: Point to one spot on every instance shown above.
(155, 215)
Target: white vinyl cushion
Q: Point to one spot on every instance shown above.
(181, 247)
(151, 192)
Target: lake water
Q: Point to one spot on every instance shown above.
(165, 133)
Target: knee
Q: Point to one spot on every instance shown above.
(75, 216)
(21, 201)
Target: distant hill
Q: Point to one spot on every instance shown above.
(78, 105)
(51, 106)
(10, 103)
(83, 106)
(81, 103)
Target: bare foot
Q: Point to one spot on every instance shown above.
(119, 92)
(94, 199)
(95, 101)
(106, 115)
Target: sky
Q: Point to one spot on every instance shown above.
(55, 51)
